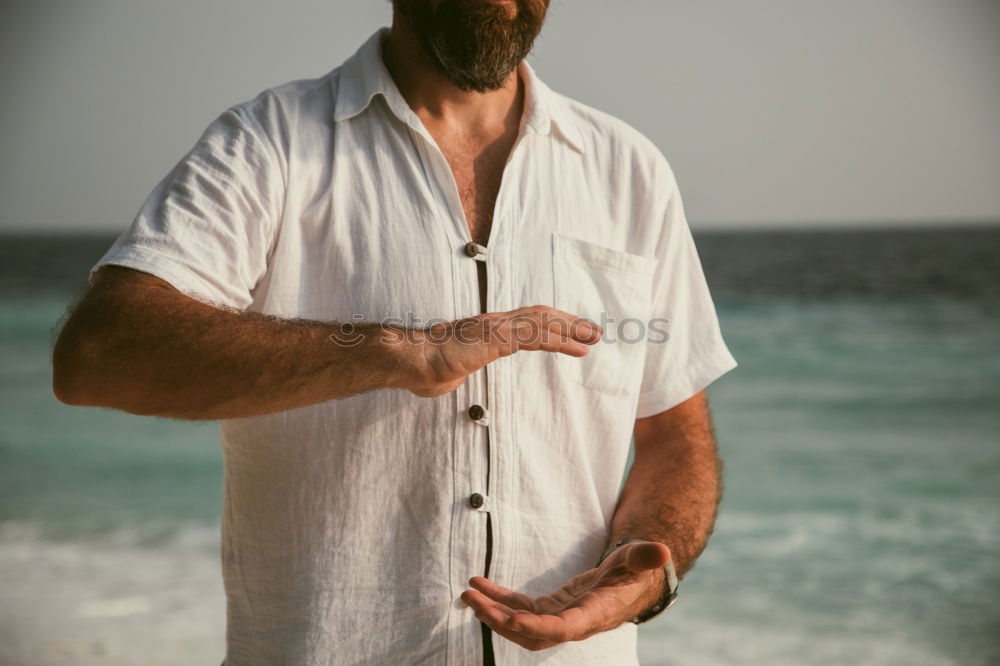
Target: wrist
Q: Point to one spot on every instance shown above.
(401, 354)
(661, 592)
(666, 590)
(370, 356)
(655, 591)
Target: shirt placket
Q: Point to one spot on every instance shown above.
(479, 447)
(470, 455)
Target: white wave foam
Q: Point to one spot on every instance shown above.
(111, 600)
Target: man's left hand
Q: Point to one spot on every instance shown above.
(628, 582)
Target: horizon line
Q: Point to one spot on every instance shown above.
(697, 226)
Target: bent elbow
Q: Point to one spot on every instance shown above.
(74, 376)
(68, 389)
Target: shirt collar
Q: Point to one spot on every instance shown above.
(364, 75)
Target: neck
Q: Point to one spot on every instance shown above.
(436, 99)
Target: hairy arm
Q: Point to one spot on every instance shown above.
(673, 490)
(136, 344)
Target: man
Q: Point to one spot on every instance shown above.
(350, 274)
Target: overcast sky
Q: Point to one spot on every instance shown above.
(777, 112)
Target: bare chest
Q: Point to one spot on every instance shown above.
(478, 172)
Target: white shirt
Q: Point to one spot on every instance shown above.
(348, 533)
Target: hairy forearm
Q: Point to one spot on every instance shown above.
(673, 490)
(157, 352)
(136, 344)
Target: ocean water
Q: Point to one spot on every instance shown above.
(860, 434)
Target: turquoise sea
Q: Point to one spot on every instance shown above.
(860, 434)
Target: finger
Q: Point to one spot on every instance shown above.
(502, 620)
(489, 613)
(569, 625)
(646, 556)
(528, 339)
(495, 616)
(479, 601)
(540, 328)
(508, 336)
(565, 323)
(576, 327)
(501, 593)
(524, 641)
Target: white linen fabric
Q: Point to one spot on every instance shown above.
(348, 534)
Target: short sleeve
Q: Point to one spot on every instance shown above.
(685, 351)
(207, 226)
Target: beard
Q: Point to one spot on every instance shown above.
(475, 45)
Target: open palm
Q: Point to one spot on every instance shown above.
(626, 583)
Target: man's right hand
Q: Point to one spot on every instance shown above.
(438, 359)
(137, 344)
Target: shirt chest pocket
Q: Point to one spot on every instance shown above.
(611, 288)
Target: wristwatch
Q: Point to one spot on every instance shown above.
(669, 589)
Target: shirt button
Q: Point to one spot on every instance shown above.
(472, 249)
(475, 500)
(476, 412)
